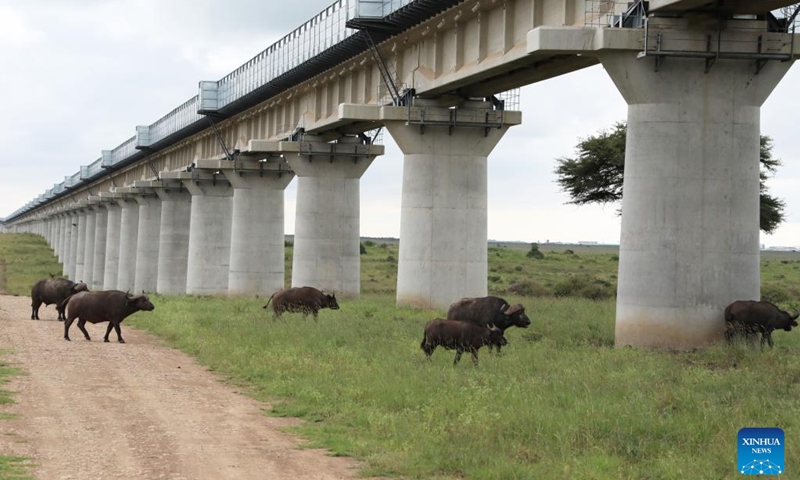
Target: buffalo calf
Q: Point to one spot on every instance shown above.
(303, 300)
(460, 336)
(489, 310)
(112, 306)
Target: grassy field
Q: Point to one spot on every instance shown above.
(11, 468)
(559, 403)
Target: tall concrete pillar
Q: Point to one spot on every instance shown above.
(88, 252)
(257, 230)
(327, 217)
(690, 213)
(209, 253)
(443, 216)
(111, 269)
(100, 231)
(173, 250)
(80, 249)
(56, 233)
(128, 237)
(62, 238)
(147, 243)
(72, 244)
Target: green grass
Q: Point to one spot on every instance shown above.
(25, 258)
(560, 402)
(11, 468)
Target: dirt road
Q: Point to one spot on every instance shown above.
(94, 410)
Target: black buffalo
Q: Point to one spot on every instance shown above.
(748, 317)
(489, 310)
(460, 336)
(53, 291)
(112, 306)
(303, 300)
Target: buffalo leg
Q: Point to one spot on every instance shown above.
(767, 336)
(474, 352)
(108, 331)
(81, 323)
(67, 324)
(119, 332)
(35, 309)
(459, 351)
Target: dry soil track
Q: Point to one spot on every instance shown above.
(94, 410)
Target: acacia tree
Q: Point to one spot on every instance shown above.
(595, 175)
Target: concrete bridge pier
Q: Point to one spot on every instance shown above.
(257, 227)
(56, 234)
(88, 243)
(443, 217)
(173, 249)
(111, 269)
(100, 231)
(209, 251)
(80, 249)
(72, 243)
(327, 217)
(128, 237)
(147, 242)
(690, 210)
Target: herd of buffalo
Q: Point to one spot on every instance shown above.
(471, 323)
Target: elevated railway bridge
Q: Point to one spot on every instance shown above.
(193, 203)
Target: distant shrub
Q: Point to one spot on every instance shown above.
(390, 258)
(774, 294)
(369, 243)
(569, 252)
(362, 248)
(584, 287)
(529, 288)
(614, 258)
(287, 243)
(518, 268)
(534, 252)
(384, 245)
(785, 262)
(495, 278)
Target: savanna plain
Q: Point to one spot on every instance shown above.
(560, 402)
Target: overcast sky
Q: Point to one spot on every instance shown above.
(76, 77)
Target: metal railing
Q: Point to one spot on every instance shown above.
(614, 13)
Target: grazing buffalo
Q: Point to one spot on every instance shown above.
(53, 290)
(460, 336)
(302, 300)
(489, 310)
(112, 306)
(747, 317)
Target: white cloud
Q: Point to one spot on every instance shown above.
(15, 29)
